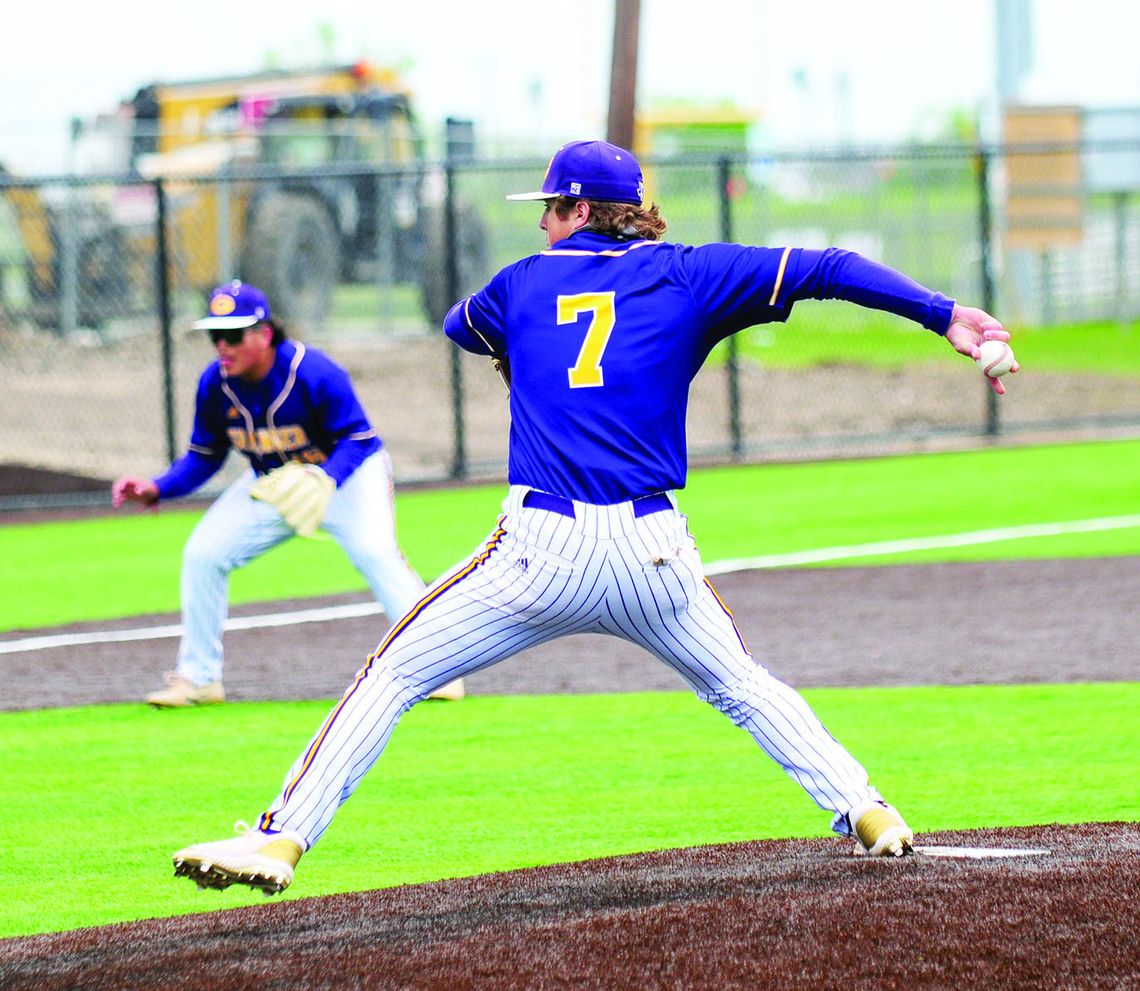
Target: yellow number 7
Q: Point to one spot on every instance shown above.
(587, 370)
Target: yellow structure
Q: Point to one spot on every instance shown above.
(269, 177)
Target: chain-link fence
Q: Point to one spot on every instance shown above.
(101, 277)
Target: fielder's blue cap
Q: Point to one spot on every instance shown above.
(234, 305)
(591, 170)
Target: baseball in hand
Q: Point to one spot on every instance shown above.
(996, 358)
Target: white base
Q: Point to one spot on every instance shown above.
(978, 852)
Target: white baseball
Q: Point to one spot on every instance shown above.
(996, 358)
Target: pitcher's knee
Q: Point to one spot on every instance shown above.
(741, 696)
(383, 673)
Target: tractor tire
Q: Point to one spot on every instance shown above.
(292, 254)
(472, 259)
(103, 289)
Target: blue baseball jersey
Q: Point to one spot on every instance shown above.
(305, 409)
(604, 337)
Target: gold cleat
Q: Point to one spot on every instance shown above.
(880, 830)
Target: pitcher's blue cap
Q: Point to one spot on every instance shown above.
(233, 305)
(591, 170)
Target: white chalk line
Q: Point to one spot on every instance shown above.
(922, 544)
(171, 631)
(788, 560)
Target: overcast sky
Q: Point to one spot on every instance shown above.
(811, 72)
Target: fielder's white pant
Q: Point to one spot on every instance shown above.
(238, 528)
(542, 575)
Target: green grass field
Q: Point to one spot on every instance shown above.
(127, 564)
(499, 783)
(824, 333)
(98, 797)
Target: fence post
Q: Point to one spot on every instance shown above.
(451, 281)
(732, 366)
(226, 266)
(68, 285)
(163, 262)
(69, 264)
(1120, 222)
(985, 234)
(385, 244)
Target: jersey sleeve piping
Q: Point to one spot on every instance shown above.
(475, 330)
(780, 276)
(290, 381)
(239, 406)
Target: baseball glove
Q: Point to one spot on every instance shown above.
(300, 493)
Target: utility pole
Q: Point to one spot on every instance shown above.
(1014, 47)
(623, 73)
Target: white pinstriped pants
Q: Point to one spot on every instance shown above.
(237, 528)
(542, 575)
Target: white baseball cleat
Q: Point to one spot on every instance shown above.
(258, 860)
(880, 830)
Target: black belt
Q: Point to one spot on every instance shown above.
(534, 499)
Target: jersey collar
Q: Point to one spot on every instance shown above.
(585, 239)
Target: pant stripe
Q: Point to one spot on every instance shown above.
(397, 629)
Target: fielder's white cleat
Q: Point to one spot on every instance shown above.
(453, 691)
(258, 860)
(181, 693)
(880, 830)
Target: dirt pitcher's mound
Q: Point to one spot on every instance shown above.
(776, 914)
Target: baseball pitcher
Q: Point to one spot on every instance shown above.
(600, 336)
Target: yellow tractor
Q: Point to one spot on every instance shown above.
(296, 181)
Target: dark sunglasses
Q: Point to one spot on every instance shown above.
(233, 336)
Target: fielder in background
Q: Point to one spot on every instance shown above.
(600, 336)
(315, 462)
